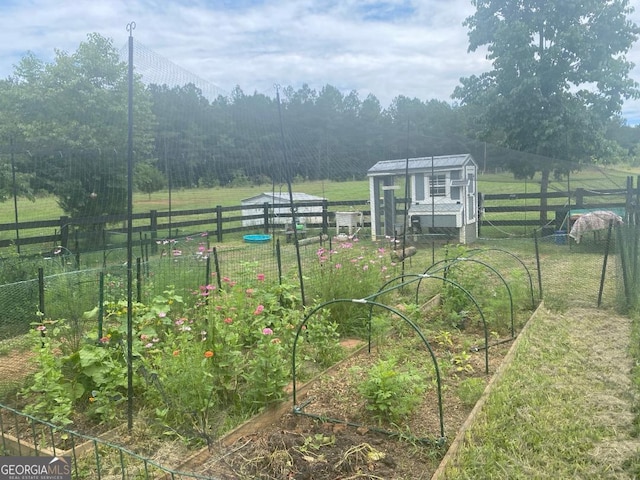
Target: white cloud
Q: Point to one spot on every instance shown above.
(421, 51)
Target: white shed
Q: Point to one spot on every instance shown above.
(278, 208)
(443, 193)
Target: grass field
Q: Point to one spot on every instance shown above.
(47, 208)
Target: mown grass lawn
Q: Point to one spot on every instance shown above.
(563, 407)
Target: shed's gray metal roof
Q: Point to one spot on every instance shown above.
(282, 197)
(420, 164)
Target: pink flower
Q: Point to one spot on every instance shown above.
(267, 331)
(206, 289)
(144, 337)
(179, 322)
(258, 310)
(338, 265)
(261, 277)
(177, 253)
(249, 292)
(41, 328)
(104, 340)
(162, 314)
(228, 320)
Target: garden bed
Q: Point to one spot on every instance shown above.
(203, 367)
(282, 444)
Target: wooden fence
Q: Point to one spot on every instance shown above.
(87, 234)
(515, 209)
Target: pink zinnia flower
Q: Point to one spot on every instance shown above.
(258, 310)
(261, 277)
(267, 331)
(228, 320)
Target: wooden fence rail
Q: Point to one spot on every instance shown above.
(86, 234)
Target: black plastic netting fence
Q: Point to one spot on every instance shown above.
(184, 267)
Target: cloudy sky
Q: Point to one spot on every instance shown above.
(416, 48)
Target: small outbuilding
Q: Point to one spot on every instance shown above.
(277, 205)
(442, 192)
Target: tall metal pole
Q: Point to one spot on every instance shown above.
(15, 193)
(294, 218)
(130, 28)
(407, 193)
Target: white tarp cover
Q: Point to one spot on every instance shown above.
(593, 221)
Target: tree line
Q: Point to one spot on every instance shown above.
(551, 103)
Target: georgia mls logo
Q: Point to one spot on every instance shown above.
(35, 468)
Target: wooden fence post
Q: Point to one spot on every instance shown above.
(153, 226)
(219, 222)
(64, 231)
(579, 197)
(265, 216)
(325, 216)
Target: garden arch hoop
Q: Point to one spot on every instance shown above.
(477, 251)
(298, 409)
(451, 262)
(418, 277)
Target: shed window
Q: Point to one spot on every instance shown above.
(438, 185)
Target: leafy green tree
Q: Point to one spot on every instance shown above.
(71, 117)
(559, 75)
(148, 179)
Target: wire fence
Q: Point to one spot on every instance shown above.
(597, 271)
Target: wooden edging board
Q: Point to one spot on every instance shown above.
(21, 447)
(458, 441)
(267, 418)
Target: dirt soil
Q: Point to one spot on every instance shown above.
(302, 447)
(299, 447)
